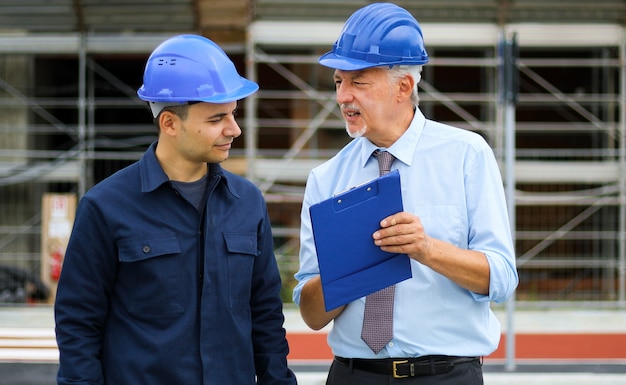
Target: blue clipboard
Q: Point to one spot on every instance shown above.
(351, 265)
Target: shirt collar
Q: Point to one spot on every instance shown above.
(403, 148)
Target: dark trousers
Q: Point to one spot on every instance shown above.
(468, 373)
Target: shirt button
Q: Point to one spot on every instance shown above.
(146, 249)
(390, 344)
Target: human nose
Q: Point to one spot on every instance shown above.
(232, 128)
(343, 94)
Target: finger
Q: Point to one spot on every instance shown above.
(391, 220)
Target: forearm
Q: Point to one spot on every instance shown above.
(312, 306)
(467, 268)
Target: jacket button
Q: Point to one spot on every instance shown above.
(146, 249)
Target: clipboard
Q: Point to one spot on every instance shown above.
(351, 265)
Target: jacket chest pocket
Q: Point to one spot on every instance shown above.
(242, 249)
(150, 277)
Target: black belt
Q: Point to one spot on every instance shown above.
(407, 367)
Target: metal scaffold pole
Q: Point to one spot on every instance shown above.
(509, 88)
(621, 262)
(82, 104)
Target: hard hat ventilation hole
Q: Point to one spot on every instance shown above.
(166, 62)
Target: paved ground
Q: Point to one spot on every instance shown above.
(28, 354)
(44, 374)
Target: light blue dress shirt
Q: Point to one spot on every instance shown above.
(451, 181)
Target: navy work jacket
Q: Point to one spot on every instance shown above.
(154, 292)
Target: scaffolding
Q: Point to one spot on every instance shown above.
(570, 177)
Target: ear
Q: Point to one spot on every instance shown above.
(405, 87)
(168, 123)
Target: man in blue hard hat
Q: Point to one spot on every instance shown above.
(170, 276)
(432, 328)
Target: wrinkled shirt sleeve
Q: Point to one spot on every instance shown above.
(309, 267)
(489, 225)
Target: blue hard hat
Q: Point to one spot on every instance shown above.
(378, 34)
(192, 68)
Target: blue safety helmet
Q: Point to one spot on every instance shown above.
(189, 68)
(379, 34)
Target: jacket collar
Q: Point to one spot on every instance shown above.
(153, 176)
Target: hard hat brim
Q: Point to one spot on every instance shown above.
(335, 61)
(332, 60)
(247, 88)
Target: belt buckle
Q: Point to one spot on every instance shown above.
(395, 369)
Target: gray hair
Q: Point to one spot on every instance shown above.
(398, 72)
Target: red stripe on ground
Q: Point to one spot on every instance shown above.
(566, 346)
(308, 346)
(313, 346)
